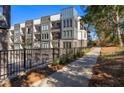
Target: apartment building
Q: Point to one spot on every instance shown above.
(62, 30)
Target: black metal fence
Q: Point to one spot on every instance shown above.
(12, 62)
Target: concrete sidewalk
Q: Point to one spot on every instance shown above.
(76, 74)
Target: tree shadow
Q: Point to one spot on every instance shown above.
(76, 74)
(109, 71)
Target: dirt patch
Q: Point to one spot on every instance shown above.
(109, 50)
(108, 72)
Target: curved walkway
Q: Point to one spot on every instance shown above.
(76, 74)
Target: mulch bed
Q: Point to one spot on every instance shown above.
(26, 79)
(108, 72)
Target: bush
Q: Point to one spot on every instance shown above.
(56, 61)
(79, 54)
(65, 59)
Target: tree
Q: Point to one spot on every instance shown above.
(106, 20)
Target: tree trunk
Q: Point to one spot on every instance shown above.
(119, 37)
(118, 30)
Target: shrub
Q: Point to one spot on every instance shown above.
(56, 61)
(65, 59)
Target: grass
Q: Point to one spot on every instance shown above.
(86, 50)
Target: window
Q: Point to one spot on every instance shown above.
(45, 45)
(69, 44)
(29, 30)
(64, 45)
(64, 23)
(47, 36)
(70, 22)
(43, 36)
(85, 35)
(64, 33)
(76, 23)
(71, 33)
(67, 22)
(44, 27)
(67, 33)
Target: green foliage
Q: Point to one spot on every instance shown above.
(106, 20)
(67, 58)
(80, 54)
(86, 50)
(56, 61)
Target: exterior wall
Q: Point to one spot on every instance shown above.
(45, 31)
(49, 32)
(69, 20)
(11, 38)
(17, 37)
(37, 33)
(55, 31)
(29, 34)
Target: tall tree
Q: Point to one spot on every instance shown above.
(106, 19)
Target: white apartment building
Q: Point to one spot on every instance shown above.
(62, 30)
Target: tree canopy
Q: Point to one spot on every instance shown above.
(106, 19)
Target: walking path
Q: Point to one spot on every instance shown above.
(76, 74)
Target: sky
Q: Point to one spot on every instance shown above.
(21, 13)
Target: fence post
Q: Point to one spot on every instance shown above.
(74, 53)
(24, 59)
(53, 54)
(58, 52)
(66, 51)
(7, 63)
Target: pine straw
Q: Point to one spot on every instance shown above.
(27, 79)
(108, 72)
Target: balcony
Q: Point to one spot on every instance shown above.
(38, 37)
(23, 30)
(55, 35)
(10, 33)
(37, 29)
(18, 39)
(10, 41)
(56, 25)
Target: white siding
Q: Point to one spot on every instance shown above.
(55, 17)
(22, 25)
(82, 35)
(36, 21)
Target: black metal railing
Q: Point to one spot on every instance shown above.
(12, 62)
